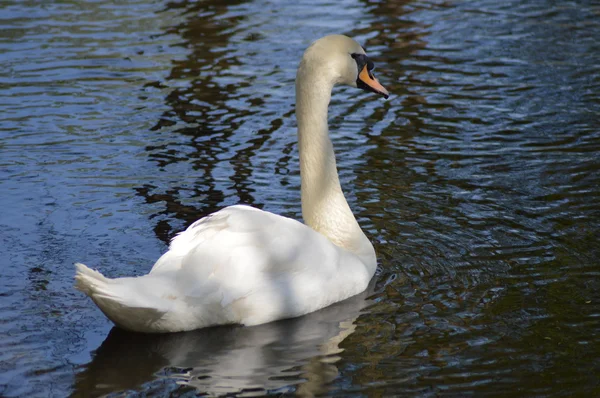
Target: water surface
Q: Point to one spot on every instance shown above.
(478, 182)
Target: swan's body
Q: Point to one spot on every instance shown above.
(248, 266)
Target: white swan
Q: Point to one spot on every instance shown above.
(246, 266)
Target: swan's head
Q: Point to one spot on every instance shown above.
(342, 60)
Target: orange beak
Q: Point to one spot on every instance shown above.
(366, 77)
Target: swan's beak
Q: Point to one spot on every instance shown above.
(367, 82)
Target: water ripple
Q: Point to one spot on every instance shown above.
(478, 182)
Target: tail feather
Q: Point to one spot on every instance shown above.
(122, 300)
(88, 280)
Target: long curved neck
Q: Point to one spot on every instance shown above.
(324, 207)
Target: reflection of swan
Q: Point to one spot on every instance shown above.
(247, 266)
(295, 354)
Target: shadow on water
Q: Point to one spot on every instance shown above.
(199, 111)
(296, 355)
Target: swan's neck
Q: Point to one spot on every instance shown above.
(324, 207)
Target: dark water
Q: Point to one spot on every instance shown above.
(478, 182)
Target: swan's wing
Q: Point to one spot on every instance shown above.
(248, 236)
(241, 247)
(250, 266)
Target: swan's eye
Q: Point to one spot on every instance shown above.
(359, 58)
